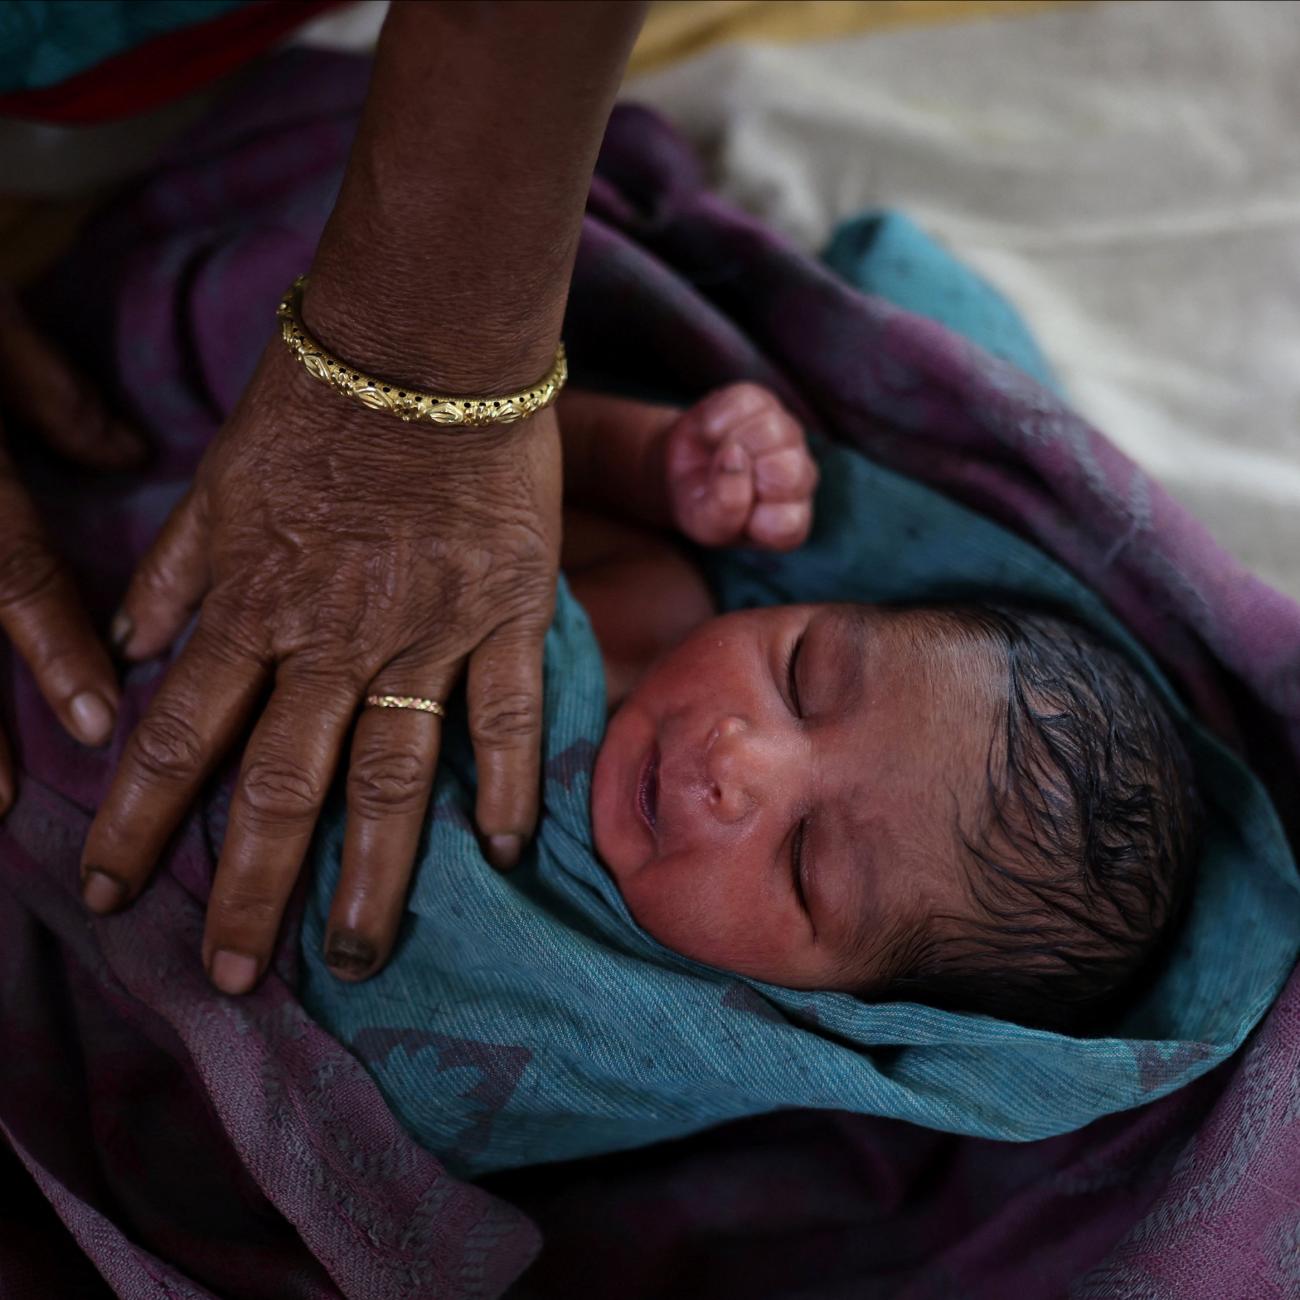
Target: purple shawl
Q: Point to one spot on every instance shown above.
(164, 1141)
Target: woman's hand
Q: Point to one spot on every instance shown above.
(335, 552)
(40, 611)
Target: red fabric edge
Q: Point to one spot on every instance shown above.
(164, 68)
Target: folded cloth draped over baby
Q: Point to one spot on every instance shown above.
(528, 1017)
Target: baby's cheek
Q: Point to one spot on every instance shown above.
(663, 907)
(709, 908)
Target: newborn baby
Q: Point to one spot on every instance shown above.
(980, 807)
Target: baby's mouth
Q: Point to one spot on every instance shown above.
(647, 790)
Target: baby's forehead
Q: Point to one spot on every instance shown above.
(925, 715)
(927, 645)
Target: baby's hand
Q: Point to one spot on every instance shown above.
(739, 472)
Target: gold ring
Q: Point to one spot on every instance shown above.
(415, 702)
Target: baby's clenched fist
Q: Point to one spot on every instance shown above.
(739, 472)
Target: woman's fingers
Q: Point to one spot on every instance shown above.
(168, 583)
(42, 615)
(283, 780)
(38, 385)
(505, 722)
(390, 776)
(191, 723)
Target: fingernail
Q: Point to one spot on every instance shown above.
(734, 458)
(92, 719)
(503, 850)
(349, 953)
(120, 629)
(778, 524)
(101, 892)
(233, 972)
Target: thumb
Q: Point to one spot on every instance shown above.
(40, 387)
(168, 584)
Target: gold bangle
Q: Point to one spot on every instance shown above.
(401, 400)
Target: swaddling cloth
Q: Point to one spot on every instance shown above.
(526, 1017)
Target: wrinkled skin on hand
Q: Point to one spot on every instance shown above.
(40, 611)
(335, 552)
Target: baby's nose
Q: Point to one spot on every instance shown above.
(736, 764)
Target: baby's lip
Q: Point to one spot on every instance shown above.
(647, 788)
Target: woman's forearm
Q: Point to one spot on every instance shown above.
(447, 259)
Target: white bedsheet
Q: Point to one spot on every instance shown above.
(1129, 174)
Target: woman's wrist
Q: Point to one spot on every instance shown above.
(409, 402)
(388, 315)
(361, 439)
(447, 259)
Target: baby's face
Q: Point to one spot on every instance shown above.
(783, 794)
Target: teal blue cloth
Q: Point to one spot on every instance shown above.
(888, 254)
(527, 1018)
(43, 42)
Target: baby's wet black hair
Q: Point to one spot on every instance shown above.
(1090, 835)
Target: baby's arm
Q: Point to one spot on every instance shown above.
(614, 454)
(732, 470)
(640, 591)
